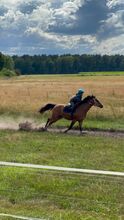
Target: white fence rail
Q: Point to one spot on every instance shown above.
(65, 169)
(19, 217)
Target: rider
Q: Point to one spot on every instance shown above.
(75, 100)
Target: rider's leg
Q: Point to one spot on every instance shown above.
(72, 111)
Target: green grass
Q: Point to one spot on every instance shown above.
(97, 73)
(57, 195)
(101, 123)
(54, 195)
(106, 73)
(62, 150)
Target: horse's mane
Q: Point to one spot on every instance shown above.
(85, 100)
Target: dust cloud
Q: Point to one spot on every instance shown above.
(19, 124)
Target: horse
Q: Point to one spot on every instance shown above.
(80, 112)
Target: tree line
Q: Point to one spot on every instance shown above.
(6, 62)
(60, 64)
(6, 65)
(63, 64)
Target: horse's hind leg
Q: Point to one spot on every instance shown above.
(47, 123)
(54, 117)
(70, 127)
(51, 121)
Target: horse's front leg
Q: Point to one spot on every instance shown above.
(70, 127)
(80, 126)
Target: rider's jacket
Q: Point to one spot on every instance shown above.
(75, 99)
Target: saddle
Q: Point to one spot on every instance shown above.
(67, 109)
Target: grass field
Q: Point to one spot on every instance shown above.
(62, 150)
(51, 195)
(23, 96)
(110, 73)
(58, 195)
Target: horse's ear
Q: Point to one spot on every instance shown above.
(93, 96)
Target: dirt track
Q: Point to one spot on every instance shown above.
(91, 132)
(29, 126)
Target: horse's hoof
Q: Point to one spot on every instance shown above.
(42, 129)
(83, 133)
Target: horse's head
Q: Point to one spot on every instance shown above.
(94, 101)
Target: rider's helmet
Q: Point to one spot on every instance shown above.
(80, 91)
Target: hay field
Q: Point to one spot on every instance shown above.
(29, 93)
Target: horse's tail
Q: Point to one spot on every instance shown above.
(46, 108)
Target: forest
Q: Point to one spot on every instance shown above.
(60, 64)
(64, 64)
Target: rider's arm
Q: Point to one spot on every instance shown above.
(73, 99)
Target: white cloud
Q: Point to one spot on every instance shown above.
(116, 19)
(63, 41)
(113, 45)
(113, 3)
(31, 26)
(11, 20)
(67, 12)
(10, 4)
(42, 17)
(113, 26)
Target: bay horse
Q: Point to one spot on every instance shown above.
(79, 114)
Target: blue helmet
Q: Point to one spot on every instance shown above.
(80, 91)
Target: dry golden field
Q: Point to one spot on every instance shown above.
(28, 93)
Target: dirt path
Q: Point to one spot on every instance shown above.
(91, 132)
(30, 126)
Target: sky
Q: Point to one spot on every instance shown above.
(62, 27)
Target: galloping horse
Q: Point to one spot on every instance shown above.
(79, 115)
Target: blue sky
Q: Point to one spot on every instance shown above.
(62, 26)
